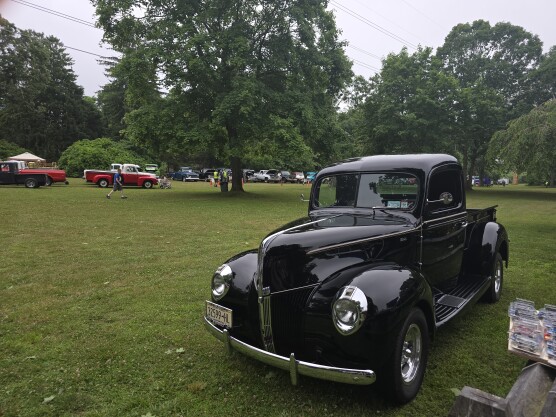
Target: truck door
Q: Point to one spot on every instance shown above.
(130, 174)
(444, 225)
(7, 175)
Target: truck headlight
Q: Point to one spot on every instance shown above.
(221, 281)
(349, 310)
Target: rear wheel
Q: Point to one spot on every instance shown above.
(103, 183)
(48, 181)
(497, 279)
(407, 365)
(31, 183)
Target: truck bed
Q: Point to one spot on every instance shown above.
(487, 214)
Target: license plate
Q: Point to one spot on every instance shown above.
(219, 315)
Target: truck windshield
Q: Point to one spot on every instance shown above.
(377, 189)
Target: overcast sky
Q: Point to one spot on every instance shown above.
(372, 28)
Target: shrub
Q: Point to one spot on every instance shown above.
(96, 154)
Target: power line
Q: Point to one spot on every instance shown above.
(355, 61)
(87, 52)
(64, 16)
(373, 25)
(364, 52)
(365, 5)
(420, 12)
(55, 13)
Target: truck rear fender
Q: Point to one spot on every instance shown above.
(97, 178)
(486, 240)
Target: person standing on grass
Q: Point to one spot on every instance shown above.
(117, 184)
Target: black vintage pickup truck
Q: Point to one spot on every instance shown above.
(353, 292)
(9, 174)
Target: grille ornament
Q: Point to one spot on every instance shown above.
(265, 316)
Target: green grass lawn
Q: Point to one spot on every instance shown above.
(101, 304)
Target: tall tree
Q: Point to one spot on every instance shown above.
(493, 66)
(544, 77)
(500, 56)
(529, 143)
(41, 107)
(479, 112)
(242, 69)
(410, 108)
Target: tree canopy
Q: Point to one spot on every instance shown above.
(410, 107)
(501, 57)
(528, 144)
(41, 107)
(239, 70)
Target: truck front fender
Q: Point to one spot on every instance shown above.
(487, 239)
(391, 291)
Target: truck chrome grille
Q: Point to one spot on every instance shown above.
(287, 319)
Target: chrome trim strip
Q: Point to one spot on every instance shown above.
(355, 242)
(464, 214)
(295, 289)
(294, 366)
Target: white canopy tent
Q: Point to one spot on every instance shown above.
(27, 157)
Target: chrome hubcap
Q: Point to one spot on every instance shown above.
(498, 277)
(411, 353)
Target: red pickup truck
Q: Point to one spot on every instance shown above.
(130, 173)
(52, 174)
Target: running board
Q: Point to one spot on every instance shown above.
(448, 304)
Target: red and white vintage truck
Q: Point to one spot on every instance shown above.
(52, 174)
(131, 175)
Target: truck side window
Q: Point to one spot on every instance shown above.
(444, 183)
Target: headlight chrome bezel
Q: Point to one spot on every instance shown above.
(221, 281)
(349, 310)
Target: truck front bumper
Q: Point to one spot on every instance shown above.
(294, 366)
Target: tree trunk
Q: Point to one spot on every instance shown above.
(465, 165)
(237, 175)
(237, 172)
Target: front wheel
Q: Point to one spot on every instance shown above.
(407, 365)
(497, 279)
(147, 184)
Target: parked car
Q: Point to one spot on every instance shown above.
(207, 173)
(354, 291)
(310, 176)
(52, 174)
(131, 175)
(185, 174)
(11, 175)
(248, 175)
(285, 176)
(152, 169)
(267, 175)
(298, 177)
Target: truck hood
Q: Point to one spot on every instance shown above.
(315, 234)
(301, 252)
